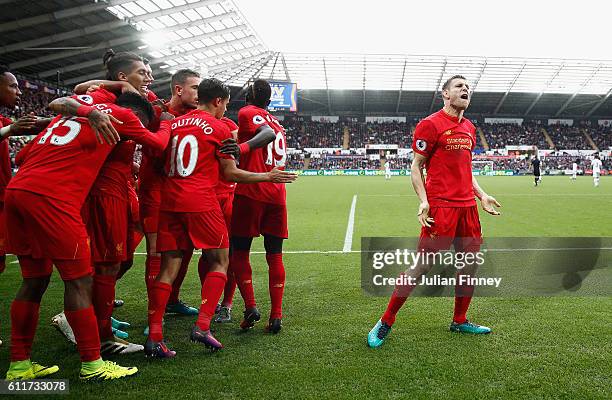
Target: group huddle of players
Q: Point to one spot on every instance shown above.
(77, 202)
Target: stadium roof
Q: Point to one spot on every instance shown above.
(65, 42)
(47, 40)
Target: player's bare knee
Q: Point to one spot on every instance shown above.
(170, 266)
(218, 260)
(32, 289)
(109, 269)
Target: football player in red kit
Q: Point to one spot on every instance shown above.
(184, 86)
(443, 144)
(260, 209)
(9, 97)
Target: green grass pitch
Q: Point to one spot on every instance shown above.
(541, 347)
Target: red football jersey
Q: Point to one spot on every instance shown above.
(151, 96)
(191, 163)
(225, 186)
(65, 158)
(115, 172)
(447, 144)
(264, 159)
(5, 160)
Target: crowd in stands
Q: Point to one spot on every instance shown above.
(295, 161)
(362, 133)
(501, 135)
(602, 136)
(303, 134)
(568, 137)
(15, 145)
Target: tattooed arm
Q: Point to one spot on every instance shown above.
(101, 123)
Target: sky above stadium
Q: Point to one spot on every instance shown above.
(484, 28)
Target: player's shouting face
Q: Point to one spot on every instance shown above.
(457, 94)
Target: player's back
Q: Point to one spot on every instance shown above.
(64, 159)
(264, 159)
(113, 178)
(192, 168)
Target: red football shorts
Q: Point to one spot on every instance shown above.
(106, 219)
(150, 202)
(452, 225)
(189, 230)
(226, 202)
(2, 230)
(46, 231)
(251, 218)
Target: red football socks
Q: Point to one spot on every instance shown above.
(180, 277)
(463, 297)
(103, 296)
(276, 284)
(24, 320)
(152, 268)
(397, 300)
(211, 293)
(84, 325)
(158, 299)
(244, 276)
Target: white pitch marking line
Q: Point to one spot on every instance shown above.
(348, 238)
(499, 195)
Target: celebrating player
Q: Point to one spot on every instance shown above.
(45, 225)
(184, 86)
(260, 209)
(443, 143)
(190, 215)
(9, 97)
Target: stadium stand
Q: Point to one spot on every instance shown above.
(568, 137)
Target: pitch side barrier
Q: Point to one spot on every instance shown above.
(376, 172)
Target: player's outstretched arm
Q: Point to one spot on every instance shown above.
(111, 86)
(234, 174)
(134, 130)
(263, 135)
(101, 123)
(24, 125)
(418, 183)
(487, 202)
